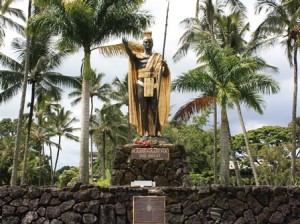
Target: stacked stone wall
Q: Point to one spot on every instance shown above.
(183, 205)
(172, 172)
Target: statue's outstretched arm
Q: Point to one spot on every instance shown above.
(128, 49)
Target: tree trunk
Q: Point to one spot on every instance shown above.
(40, 166)
(237, 171)
(14, 175)
(27, 141)
(294, 115)
(84, 137)
(57, 154)
(51, 164)
(85, 105)
(216, 180)
(224, 163)
(234, 160)
(103, 155)
(91, 141)
(247, 144)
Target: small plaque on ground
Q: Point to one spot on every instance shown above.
(150, 153)
(143, 183)
(148, 210)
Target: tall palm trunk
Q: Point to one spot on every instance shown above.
(210, 19)
(234, 160)
(40, 166)
(247, 144)
(57, 154)
(91, 141)
(103, 155)
(84, 136)
(224, 163)
(27, 141)
(216, 180)
(294, 115)
(51, 164)
(14, 175)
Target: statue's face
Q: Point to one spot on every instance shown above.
(148, 44)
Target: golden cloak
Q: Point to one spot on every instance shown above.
(164, 96)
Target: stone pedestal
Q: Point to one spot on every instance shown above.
(164, 172)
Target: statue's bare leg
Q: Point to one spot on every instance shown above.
(142, 102)
(154, 110)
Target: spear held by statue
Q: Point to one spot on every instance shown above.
(161, 71)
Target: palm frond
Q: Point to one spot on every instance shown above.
(119, 49)
(192, 107)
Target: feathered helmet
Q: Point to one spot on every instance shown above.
(147, 35)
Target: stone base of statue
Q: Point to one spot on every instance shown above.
(151, 160)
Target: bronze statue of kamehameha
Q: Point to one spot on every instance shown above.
(148, 88)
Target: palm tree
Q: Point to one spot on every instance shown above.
(282, 20)
(120, 94)
(108, 123)
(14, 174)
(99, 90)
(210, 23)
(6, 9)
(61, 124)
(220, 80)
(225, 30)
(88, 24)
(42, 78)
(40, 136)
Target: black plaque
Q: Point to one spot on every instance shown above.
(148, 210)
(150, 153)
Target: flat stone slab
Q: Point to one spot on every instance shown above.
(143, 183)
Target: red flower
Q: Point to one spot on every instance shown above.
(138, 142)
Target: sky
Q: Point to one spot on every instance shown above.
(278, 109)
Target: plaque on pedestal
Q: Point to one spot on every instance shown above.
(150, 153)
(148, 210)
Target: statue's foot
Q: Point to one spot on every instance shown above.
(158, 133)
(146, 134)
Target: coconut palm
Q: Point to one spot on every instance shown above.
(211, 23)
(220, 80)
(41, 136)
(97, 89)
(14, 174)
(108, 123)
(225, 30)
(88, 24)
(120, 94)
(8, 21)
(42, 78)
(101, 92)
(283, 21)
(61, 123)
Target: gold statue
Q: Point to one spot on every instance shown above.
(148, 88)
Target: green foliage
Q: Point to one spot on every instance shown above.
(68, 177)
(202, 179)
(7, 141)
(271, 146)
(8, 127)
(198, 143)
(38, 169)
(104, 182)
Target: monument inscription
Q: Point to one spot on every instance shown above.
(150, 153)
(148, 210)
